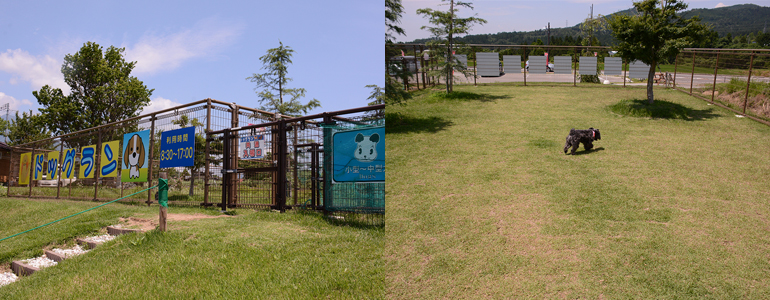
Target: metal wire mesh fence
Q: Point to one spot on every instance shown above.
(243, 157)
(515, 64)
(737, 79)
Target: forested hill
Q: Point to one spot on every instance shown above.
(736, 20)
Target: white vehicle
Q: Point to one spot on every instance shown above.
(53, 182)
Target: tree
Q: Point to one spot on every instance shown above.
(28, 128)
(101, 91)
(394, 94)
(589, 27)
(448, 25)
(654, 34)
(199, 161)
(276, 62)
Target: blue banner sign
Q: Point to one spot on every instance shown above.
(359, 155)
(177, 148)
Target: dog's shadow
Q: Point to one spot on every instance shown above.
(584, 152)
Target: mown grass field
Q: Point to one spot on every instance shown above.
(483, 203)
(252, 255)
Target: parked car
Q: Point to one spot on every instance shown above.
(54, 182)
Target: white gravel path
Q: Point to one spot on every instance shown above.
(67, 253)
(39, 262)
(99, 238)
(7, 277)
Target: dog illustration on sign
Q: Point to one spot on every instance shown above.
(366, 150)
(134, 156)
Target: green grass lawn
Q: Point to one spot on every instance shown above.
(483, 203)
(252, 255)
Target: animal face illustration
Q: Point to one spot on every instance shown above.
(366, 150)
(133, 157)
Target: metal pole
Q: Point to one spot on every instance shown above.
(233, 198)
(748, 83)
(10, 170)
(296, 179)
(475, 66)
(525, 66)
(208, 159)
(150, 160)
(416, 69)
(225, 167)
(96, 163)
(574, 73)
(714, 88)
(676, 64)
(422, 65)
(58, 169)
(31, 169)
(692, 74)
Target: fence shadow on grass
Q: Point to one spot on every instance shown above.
(660, 109)
(396, 123)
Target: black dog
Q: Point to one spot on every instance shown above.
(586, 137)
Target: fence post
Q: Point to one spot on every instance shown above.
(31, 169)
(748, 83)
(150, 160)
(97, 160)
(225, 169)
(10, 175)
(296, 168)
(676, 64)
(422, 65)
(574, 74)
(281, 182)
(162, 200)
(208, 159)
(416, 69)
(525, 66)
(692, 74)
(475, 66)
(232, 195)
(714, 88)
(58, 168)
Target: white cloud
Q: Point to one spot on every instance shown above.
(159, 103)
(37, 70)
(720, 5)
(156, 53)
(14, 104)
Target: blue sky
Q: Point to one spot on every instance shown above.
(192, 50)
(528, 15)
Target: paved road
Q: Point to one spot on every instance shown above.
(682, 80)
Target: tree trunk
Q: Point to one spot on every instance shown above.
(192, 182)
(650, 79)
(450, 79)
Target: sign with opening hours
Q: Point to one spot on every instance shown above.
(177, 148)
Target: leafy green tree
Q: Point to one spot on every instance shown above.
(447, 25)
(276, 62)
(28, 128)
(654, 34)
(589, 27)
(102, 91)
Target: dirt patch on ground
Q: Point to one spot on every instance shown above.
(150, 224)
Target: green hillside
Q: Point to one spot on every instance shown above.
(736, 20)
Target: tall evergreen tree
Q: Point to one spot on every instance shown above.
(276, 62)
(447, 25)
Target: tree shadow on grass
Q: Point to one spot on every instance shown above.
(463, 96)
(396, 123)
(660, 109)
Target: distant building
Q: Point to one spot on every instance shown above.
(5, 161)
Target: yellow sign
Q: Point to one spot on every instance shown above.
(68, 164)
(38, 170)
(109, 162)
(24, 165)
(53, 165)
(87, 162)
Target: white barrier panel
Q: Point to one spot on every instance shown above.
(488, 63)
(638, 70)
(562, 65)
(588, 65)
(512, 63)
(613, 66)
(537, 64)
(462, 58)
